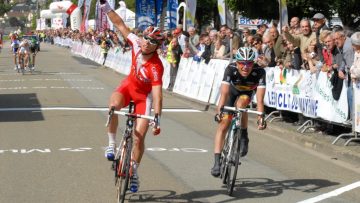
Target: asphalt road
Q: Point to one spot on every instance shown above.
(58, 156)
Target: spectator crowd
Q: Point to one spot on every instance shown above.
(306, 44)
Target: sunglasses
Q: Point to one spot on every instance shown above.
(150, 40)
(245, 63)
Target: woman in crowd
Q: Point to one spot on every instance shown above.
(292, 59)
(355, 68)
(219, 50)
(311, 60)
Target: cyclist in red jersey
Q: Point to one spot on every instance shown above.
(143, 85)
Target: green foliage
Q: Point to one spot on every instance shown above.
(349, 12)
(33, 22)
(205, 12)
(4, 7)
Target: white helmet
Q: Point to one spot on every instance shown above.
(245, 54)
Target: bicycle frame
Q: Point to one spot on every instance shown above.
(122, 161)
(230, 155)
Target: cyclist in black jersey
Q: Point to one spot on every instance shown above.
(241, 79)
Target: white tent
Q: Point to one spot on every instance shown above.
(127, 15)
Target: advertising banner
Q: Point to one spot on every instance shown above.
(247, 22)
(101, 18)
(305, 93)
(171, 14)
(158, 10)
(145, 13)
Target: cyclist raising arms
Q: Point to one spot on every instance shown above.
(240, 80)
(143, 84)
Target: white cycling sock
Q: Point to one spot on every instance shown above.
(112, 138)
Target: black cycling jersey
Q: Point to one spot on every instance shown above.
(257, 78)
(240, 85)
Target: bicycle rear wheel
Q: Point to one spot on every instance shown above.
(124, 173)
(233, 163)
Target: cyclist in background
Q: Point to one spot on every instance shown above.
(142, 85)
(24, 53)
(33, 50)
(241, 79)
(15, 44)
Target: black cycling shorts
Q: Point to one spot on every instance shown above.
(234, 94)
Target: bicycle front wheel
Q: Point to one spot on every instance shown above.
(224, 161)
(123, 184)
(233, 163)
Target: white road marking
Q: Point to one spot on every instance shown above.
(17, 80)
(60, 73)
(13, 88)
(83, 149)
(332, 193)
(39, 87)
(52, 87)
(88, 109)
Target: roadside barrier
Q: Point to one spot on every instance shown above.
(287, 90)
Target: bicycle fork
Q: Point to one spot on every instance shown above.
(235, 126)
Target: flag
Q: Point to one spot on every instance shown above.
(190, 13)
(283, 13)
(226, 18)
(101, 18)
(221, 8)
(84, 22)
(145, 13)
(171, 13)
(158, 10)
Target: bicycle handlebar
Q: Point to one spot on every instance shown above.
(242, 110)
(134, 115)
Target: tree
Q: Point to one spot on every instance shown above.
(4, 7)
(349, 12)
(205, 12)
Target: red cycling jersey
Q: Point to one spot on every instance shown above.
(143, 75)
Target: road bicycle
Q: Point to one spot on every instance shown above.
(230, 154)
(122, 162)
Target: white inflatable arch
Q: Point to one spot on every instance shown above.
(69, 8)
(47, 14)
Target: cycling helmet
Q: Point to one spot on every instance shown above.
(245, 54)
(154, 33)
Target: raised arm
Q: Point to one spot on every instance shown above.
(115, 19)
